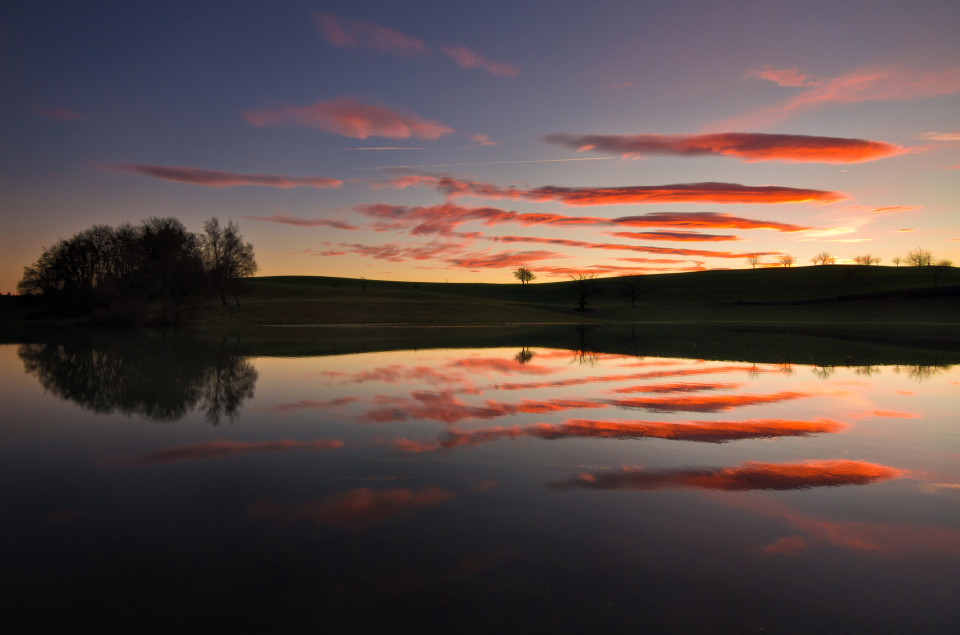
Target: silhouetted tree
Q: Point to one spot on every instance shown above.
(919, 257)
(786, 260)
(823, 258)
(753, 260)
(586, 286)
(632, 287)
(226, 258)
(524, 275)
(897, 260)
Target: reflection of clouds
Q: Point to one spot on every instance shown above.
(444, 406)
(895, 414)
(501, 365)
(310, 404)
(393, 374)
(703, 431)
(712, 403)
(223, 449)
(675, 387)
(746, 476)
(354, 508)
(657, 374)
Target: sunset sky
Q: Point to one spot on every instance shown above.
(456, 141)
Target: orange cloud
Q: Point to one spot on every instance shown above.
(347, 33)
(56, 113)
(354, 508)
(223, 449)
(500, 260)
(704, 220)
(392, 252)
(444, 406)
(471, 59)
(638, 248)
(711, 403)
(286, 219)
(896, 208)
(501, 365)
(700, 431)
(746, 476)
(350, 118)
(747, 146)
(679, 236)
(217, 178)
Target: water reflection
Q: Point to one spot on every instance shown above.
(159, 379)
(528, 489)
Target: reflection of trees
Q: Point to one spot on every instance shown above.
(524, 356)
(161, 379)
(922, 372)
(867, 371)
(824, 372)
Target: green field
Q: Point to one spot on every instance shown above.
(839, 293)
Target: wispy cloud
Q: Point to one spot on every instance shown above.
(679, 236)
(350, 118)
(896, 208)
(225, 449)
(386, 148)
(784, 76)
(56, 113)
(747, 146)
(354, 508)
(864, 84)
(485, 260)
(939, 136)
(746, 476)
(452, 165)
(483, 140)
(347, 33)
(287, 219)
(471, 59)
(218, 178)
(446, 218)
(393, 252)
(710, 192)
(635, 248)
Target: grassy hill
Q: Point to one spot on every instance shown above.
(838, 293)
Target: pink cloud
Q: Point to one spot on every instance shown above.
(680, 236)
(217, 178)
(347, 33)
(224, 449)
(350, 118)
(286, 219)
(483, 140)
(56, 113)
(896, 208)
(393, 252)
(485, 260)
(471, 59)
(747, 146)
(865, 84)
(784, 76)
(638, 248)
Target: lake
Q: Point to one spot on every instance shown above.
(162, 485)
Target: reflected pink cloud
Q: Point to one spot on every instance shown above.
(744, 477)
(675, 387)
(310, 404)
(347, 33)
(504, 365)
(444, 406)
(350, 118)
(471, 59)
(698, 431)
(747, 146)
(711, 403)
(217, 178)
(354, 508)
(225, 449)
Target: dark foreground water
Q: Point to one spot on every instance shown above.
(474, 490)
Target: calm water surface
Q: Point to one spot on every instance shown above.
(474, 490)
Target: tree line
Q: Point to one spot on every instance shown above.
(157, 265)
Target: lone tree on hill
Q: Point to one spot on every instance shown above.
(632, 287)
(754, 260)
(897, 260)
(586, 286)
(524, 275)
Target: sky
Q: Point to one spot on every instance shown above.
(449, 141)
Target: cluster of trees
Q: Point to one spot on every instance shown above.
(157, 264)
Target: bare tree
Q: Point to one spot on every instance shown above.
(586, 286)
(787, 260)
(524, 275)
(632, 287)
(919, 257)
(823, 258)
(226, 258)
(753, 260)
(897, 260)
